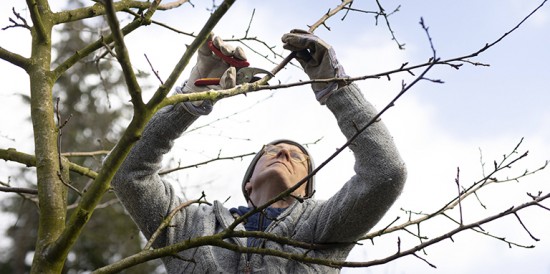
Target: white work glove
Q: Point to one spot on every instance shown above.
(211, 66)
(318, 60)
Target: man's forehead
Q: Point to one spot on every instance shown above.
(288, 146)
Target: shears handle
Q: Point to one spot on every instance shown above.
(232, 61)
(207, 81)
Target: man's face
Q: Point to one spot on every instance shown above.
(280, 167)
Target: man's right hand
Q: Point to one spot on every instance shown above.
(211, 66)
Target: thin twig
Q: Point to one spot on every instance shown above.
(524, 227)
(166, 171)
(385, 16)
(457, 181)
(68, 184)
(85, 153)
(153, 69)
(18, 16)
(19, 190)
(168, 219)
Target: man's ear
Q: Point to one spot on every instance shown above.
(248, 188)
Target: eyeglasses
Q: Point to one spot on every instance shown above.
(295, 156)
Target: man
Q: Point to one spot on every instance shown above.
(339, 221)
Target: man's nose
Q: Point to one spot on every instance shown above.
(285, 153)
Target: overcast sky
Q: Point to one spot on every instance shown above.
(479, 114)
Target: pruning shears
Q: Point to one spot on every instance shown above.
(245, 73)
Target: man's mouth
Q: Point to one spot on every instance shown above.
(278, 162)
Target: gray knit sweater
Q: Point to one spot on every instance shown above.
(349, 214)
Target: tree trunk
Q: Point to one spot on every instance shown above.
(51, 191)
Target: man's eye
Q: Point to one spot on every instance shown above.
(296, 156)
(272, 150)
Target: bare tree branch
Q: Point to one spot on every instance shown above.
(123, 56)
(217, 240)
(168, 219)
(191, 34)
(85, 153)
(104, 40)
(18, 16)
(259, 85)
(98, 9)
(36, 9)
(14, 59)
(159, 98)
(218, 158)
(19, 190)
(153, 69)
(476, 186)
(385, 16)
(11, 154)
(457, 181)
(329, 14)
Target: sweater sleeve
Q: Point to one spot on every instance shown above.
(379, 175)
(137, 184)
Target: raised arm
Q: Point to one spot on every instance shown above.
(380, 172)
(137, 183)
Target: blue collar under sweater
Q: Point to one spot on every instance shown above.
(258, 221)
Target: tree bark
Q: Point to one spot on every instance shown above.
(51, 191)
